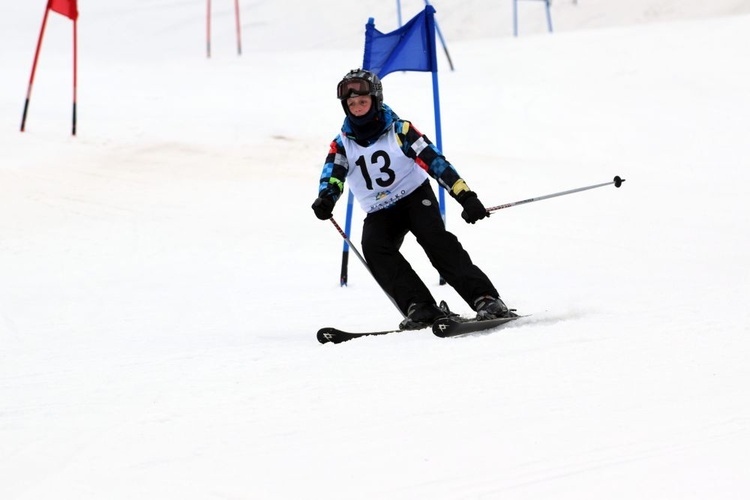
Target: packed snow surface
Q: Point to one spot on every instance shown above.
(162, 276)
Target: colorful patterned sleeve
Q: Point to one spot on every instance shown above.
(419, 148)
(334, 171)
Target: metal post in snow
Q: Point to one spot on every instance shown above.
(75, 73)
(344, 280)
(33, 70)
(237, 25)
(549, 17)
(515, 16)
(208, 28)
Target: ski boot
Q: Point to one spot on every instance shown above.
(422, 315)
(488, 307)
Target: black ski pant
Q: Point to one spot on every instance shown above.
(419, 213)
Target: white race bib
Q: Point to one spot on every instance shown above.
(381, 174)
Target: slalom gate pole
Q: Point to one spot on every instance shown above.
(362, 260)
(238, 26)
(208, 29)
(33, 69)
(344, 279)
(75, 75)
(617, 182)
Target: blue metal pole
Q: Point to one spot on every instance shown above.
(438, 132)
(439, 142)
(344, 281)
(548, 12)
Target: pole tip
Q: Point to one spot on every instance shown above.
(618, 181)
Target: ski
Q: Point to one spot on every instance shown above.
(336, 336)
(455, 326)
(451, 326)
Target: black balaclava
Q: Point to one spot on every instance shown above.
(366, 127)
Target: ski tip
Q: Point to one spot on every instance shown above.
(335, 336)
(324, 336)
(330, 335)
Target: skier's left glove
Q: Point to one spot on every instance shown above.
(473, 208)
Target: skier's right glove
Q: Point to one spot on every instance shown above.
(473, 208)
(323, 207)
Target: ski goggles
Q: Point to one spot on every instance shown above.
(358, 86)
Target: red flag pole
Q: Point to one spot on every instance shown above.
(237, 22)
(75, 71)
(208, 28)
(33, 69)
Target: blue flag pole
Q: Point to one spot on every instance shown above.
(515, 16)
(344, 281)
(430, 25)
(438, 134)
(549, 16)
(439, 142)
(431, 50)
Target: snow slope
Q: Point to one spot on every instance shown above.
(162, 275)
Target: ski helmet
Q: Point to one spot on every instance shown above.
(360, 82)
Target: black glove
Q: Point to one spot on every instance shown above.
(323, 207)
(473, 208)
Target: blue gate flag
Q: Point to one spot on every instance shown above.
(409, 48)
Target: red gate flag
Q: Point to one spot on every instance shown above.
(68, 8)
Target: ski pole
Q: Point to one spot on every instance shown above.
(364, 263)
(617, 182)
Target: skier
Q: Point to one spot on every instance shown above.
(388, 163)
